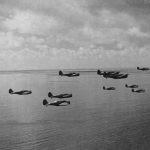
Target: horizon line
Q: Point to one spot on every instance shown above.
(64, 69)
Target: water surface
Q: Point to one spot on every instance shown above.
(96, 119)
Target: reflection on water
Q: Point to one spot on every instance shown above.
(96, 118)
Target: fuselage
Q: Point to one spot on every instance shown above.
(116, 76)
(72, 74)
(143, 69)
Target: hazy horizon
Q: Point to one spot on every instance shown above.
(73, 69)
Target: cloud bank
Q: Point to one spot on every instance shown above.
(69, 34)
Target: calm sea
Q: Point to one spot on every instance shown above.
(96, 119)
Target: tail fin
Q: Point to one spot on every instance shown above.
(126, 85)
(104, 88)
(133, 90)
(10, 91)
(99, 72)
(138, 68)
(45, 102)
(50, 95)
(60, 73)
(68, 102)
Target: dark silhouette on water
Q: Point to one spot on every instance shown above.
(59, 96)
(138, 91)
(72, 74)
(109, 88)
(56, 103)
(131, 86)
(23, 92)
(143, 69)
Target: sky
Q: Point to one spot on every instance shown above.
(57, 34)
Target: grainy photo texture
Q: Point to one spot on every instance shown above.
(74, 74)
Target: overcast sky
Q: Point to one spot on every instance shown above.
(49, 34)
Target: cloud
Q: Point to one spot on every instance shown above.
(137, 32)
(107, 29)
(15, 42)
(28, 22)
(57, 32)
(10, 41)
(35, 40)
